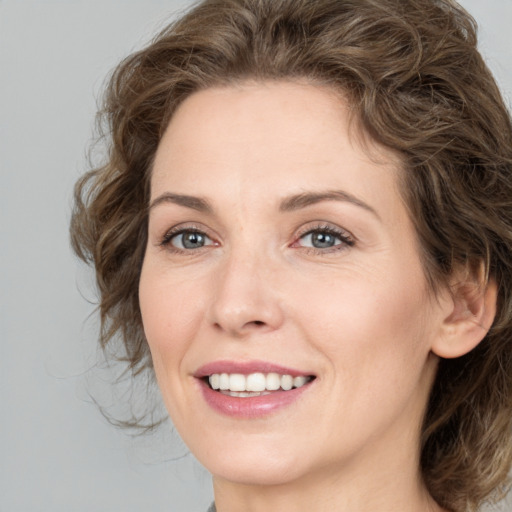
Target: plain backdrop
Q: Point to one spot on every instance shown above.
(57, 453)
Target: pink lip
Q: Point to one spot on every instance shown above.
(245, 368)
(248, 407)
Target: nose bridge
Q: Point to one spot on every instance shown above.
(245, 297)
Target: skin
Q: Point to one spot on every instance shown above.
(357, 315)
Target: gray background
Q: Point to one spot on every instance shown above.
(57, 453)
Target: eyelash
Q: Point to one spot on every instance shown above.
(346, 239)
(180, 230)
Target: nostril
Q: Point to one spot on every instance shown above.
(255, 324)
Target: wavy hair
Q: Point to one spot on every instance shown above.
(416, 84)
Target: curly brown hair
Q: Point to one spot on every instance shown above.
(417, 85)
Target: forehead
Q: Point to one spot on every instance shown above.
(284, 134)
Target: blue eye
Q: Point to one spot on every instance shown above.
(188, 239)
(323, 238)
(320, 240)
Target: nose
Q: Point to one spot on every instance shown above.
(245, 298)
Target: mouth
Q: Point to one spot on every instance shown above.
(251, 389)
(254, 384)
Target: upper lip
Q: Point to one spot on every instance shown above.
(246, 368)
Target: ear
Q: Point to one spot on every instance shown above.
(468, 309)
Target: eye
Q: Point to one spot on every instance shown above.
(324, 238)
(187, 239)
(319, 240)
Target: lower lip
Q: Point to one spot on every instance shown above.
(250, 407)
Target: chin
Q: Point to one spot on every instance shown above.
(256, 466)
(250, 472)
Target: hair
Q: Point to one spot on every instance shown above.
(416, 83)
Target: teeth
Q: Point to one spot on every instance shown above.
(273, 381)
(254, 384)
(215, 381)
(223, 381)
(299, 381)
(244, 394)
(287, 382)
(237, 382)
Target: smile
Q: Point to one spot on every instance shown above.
(251, 389)
(255, 384)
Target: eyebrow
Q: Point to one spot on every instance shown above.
(305, 199)
(293, 203)
(195, 203)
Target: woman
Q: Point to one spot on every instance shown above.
(304, 230)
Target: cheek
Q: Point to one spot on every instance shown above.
(377, 343)
(371, 327)
(170, 313)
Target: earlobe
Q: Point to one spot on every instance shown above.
(469, 312)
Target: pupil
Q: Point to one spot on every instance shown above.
(192, 240)
(322, 240)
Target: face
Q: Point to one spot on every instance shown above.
(280, 255)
